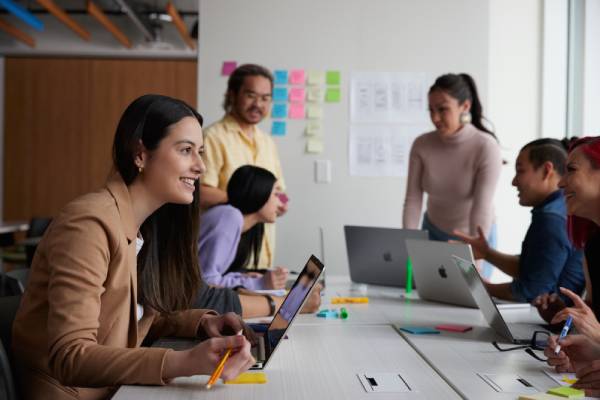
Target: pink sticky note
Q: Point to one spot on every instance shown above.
(228, 68)
(297, 77)
(296, 111)
(297, 95)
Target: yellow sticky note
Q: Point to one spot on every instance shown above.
(316, 77)
(315, 111)
(314, 145)
(315, 93)
(538, 396)
(313, 128)
(567, 392)
(248, 378)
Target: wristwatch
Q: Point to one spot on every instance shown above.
(272, 305)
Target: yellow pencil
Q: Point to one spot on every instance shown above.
(217, 374)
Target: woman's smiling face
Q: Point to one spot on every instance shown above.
(581, 185)
(171, 172)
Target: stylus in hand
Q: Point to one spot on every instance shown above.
(563, 333)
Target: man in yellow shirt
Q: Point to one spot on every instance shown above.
(236, 140)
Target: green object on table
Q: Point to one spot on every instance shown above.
(567, 392)
(343, 313)
(409, 274)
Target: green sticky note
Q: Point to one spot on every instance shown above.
(567, 392)
(333, 77)
(333, 95)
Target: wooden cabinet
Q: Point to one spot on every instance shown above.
(60, 118)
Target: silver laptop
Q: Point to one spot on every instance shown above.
(513, 333)
(435, 275)
(378, 255)
(271, 335)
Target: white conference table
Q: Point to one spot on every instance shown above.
(323, 356)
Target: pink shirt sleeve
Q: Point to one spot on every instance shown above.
(486, 180)
(413, 202)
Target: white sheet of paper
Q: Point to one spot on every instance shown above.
(393, 97)
(381, 149)
(562, 378)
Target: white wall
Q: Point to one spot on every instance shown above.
(514, 102)
(555, 73)
(591, 67)
(433, 36)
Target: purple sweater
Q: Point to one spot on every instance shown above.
(220, 232)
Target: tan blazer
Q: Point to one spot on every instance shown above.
(77, 325)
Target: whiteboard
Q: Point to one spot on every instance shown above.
(425, 36)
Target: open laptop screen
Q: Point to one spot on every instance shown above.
(482, 297)
(292, 303)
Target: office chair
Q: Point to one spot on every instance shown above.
(23, 254)
(8, 311)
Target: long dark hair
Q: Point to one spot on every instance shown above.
(248, 190)
(462, 87)
(167, 265)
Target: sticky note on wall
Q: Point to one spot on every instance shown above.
(296, 111)
(297, 77)
(333, 77)
(297, 95)
(315, 111)
(315, 93)
(281, 77)
(280, 94)
(228, 67)
(333, 95)
(316, 77)
(279, 110)
(278, 128)
(313, 128)
(314, 145)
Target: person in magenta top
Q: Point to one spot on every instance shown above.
(457, 165)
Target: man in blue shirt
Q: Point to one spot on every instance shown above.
(548, 260)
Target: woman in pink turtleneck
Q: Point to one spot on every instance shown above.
(457, 165)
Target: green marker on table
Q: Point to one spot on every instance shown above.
(343, 313)
(409, 274)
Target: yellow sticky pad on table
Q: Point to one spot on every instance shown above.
(342, 300)
(539, 396)
(248, 378)
(567, 392)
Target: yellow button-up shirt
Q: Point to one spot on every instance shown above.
(226, 148)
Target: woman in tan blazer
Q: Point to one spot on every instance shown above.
(90, 301)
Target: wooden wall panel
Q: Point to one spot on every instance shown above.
(60, 118)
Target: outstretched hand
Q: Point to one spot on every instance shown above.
(479, 243)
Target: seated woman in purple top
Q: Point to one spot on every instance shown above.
(231, 234)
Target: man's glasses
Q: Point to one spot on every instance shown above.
(538, 341)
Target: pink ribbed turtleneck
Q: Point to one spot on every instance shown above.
(459, 174)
